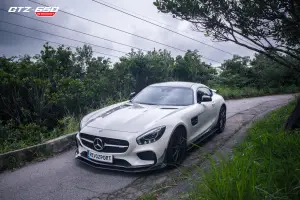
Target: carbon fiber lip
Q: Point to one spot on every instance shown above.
(118, 167)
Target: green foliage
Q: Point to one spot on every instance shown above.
(191, 68)
(46, 95)
(16, 137)
(245, 92)
(265, 166)
(268, 27)
(148, 197)
(261, 73)
(69, 124)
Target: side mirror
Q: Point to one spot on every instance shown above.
(132, 94)
(206, 98)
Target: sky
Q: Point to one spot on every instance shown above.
(15, 45)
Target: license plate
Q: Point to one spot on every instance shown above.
(100, 157)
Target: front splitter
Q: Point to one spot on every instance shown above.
(113, 167)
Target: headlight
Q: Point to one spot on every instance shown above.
(151, 136)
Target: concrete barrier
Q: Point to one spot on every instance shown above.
(19, 157)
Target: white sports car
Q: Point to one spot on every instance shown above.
(153, 129)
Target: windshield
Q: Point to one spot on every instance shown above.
(162, 95)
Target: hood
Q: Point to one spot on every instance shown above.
(130, 117)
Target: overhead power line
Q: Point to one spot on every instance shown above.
(52, 42)
(162, 27)
(138, 14)
(114, 28)
(151, 19)
(75, 30)
(62, 36)
(117, 29)
(156, 20)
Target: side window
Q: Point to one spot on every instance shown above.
(201, 92)
(205, 91)
(199, 96)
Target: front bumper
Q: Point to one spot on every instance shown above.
(135, 159)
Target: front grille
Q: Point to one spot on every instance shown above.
(110, 145)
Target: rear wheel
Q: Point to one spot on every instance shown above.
(177, 148)
(222, 120)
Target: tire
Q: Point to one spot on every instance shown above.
(177, 147)
(221, 120)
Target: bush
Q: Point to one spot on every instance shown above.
(69, 124)
(16, 137)
(236, 93)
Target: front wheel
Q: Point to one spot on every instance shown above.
(176, 150)
(221, 120)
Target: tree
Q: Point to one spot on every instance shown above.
(143, 69)
(236, 72)
(271, 28)
(268, 27)
(268, 73)
(190, 67)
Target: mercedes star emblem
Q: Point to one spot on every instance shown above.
(98, 144)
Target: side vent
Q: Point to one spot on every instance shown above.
(194, 120)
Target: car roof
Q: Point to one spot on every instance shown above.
(179, 84)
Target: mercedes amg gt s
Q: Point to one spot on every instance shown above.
(153, 129)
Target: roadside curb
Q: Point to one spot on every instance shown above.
(19, 157)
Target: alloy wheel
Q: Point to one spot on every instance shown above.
(222, 120)
(176, 149)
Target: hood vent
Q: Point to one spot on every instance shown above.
(114, 110)
(166, 108)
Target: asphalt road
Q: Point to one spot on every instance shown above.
(61, 177)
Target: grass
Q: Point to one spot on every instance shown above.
(148, 197)
(265, 166)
